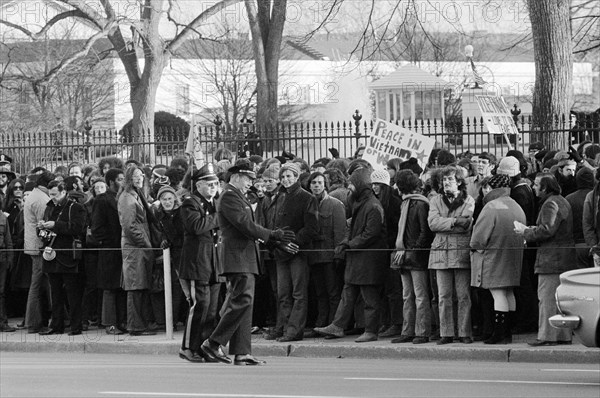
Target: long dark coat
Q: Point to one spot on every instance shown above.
(553, 233)
(497, 250)
(201, 241)
(135, 234)
(106, 230)
(367, 231)
(239, 232)
(69, 218)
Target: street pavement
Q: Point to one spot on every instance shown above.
(97, 341)
(113, 375)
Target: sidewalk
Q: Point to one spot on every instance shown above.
(97, 341)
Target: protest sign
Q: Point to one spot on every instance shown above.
(496, 114)
(390, 141)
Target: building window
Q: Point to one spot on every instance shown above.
(428, 105)
(381, 106)
(182, 102)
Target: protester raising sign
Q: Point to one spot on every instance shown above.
(390, 141)
(496, 114)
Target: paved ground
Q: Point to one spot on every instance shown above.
(113, 375)
(96, 341)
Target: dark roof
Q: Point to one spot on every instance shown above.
(488, 47)
(31, 51)
(410, 76)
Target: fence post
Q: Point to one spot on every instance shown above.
(168, 293)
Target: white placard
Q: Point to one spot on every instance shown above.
(496, 115)
(389, 141)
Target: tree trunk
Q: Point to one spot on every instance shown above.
(266, 25)
(143, 99)
(553, 91)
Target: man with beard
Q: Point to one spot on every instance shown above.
(565, 175)
(5, 177)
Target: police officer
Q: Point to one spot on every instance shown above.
(200, 266)
(240, 266)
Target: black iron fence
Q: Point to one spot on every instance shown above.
(310, 141)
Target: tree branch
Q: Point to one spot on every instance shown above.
(51, 75)
(203, 17)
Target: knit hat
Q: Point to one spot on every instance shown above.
(500, 180)
(380, 177)
(413, 165)
(271, 172)
(293, 167)
(165, 189)
(584, 179)
(509, 166)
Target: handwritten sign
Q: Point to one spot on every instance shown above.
(496, 114)
(390, 141)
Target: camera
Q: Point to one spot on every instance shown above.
(46, 234)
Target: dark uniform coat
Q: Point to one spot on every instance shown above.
(239, 232)
(200, 256)
(106, 230)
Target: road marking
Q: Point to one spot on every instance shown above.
(192, 394)
(571, 370)
(473, 381)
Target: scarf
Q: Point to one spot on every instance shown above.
(402, 222)
(458, 201)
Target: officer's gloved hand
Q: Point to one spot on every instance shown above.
(282, 235)
(165, 244)
(575, 155)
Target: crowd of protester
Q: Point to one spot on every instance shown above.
(469, 249)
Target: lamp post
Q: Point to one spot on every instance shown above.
(87, 126)
(357, 118)
(218, 122)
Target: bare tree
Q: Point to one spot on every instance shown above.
(145, 40)
(553, 53)
(267, 20)
(225, 69)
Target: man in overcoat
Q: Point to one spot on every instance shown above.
(200, 267)
(106, 229)
(240, 234)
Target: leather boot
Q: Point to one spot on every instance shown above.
(510, 319)
(499, 334)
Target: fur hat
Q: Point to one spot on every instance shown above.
(509, 166)
(271, 172)
(165, 189)
(293, 167)
(500, 180)
(413, 165)
(380, 177)
(584, 179)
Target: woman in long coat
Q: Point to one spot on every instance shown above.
(135, 244)
(497, 253)
(450, 218)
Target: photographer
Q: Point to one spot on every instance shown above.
(63, 224)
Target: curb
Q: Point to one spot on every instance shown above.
(577, 355)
